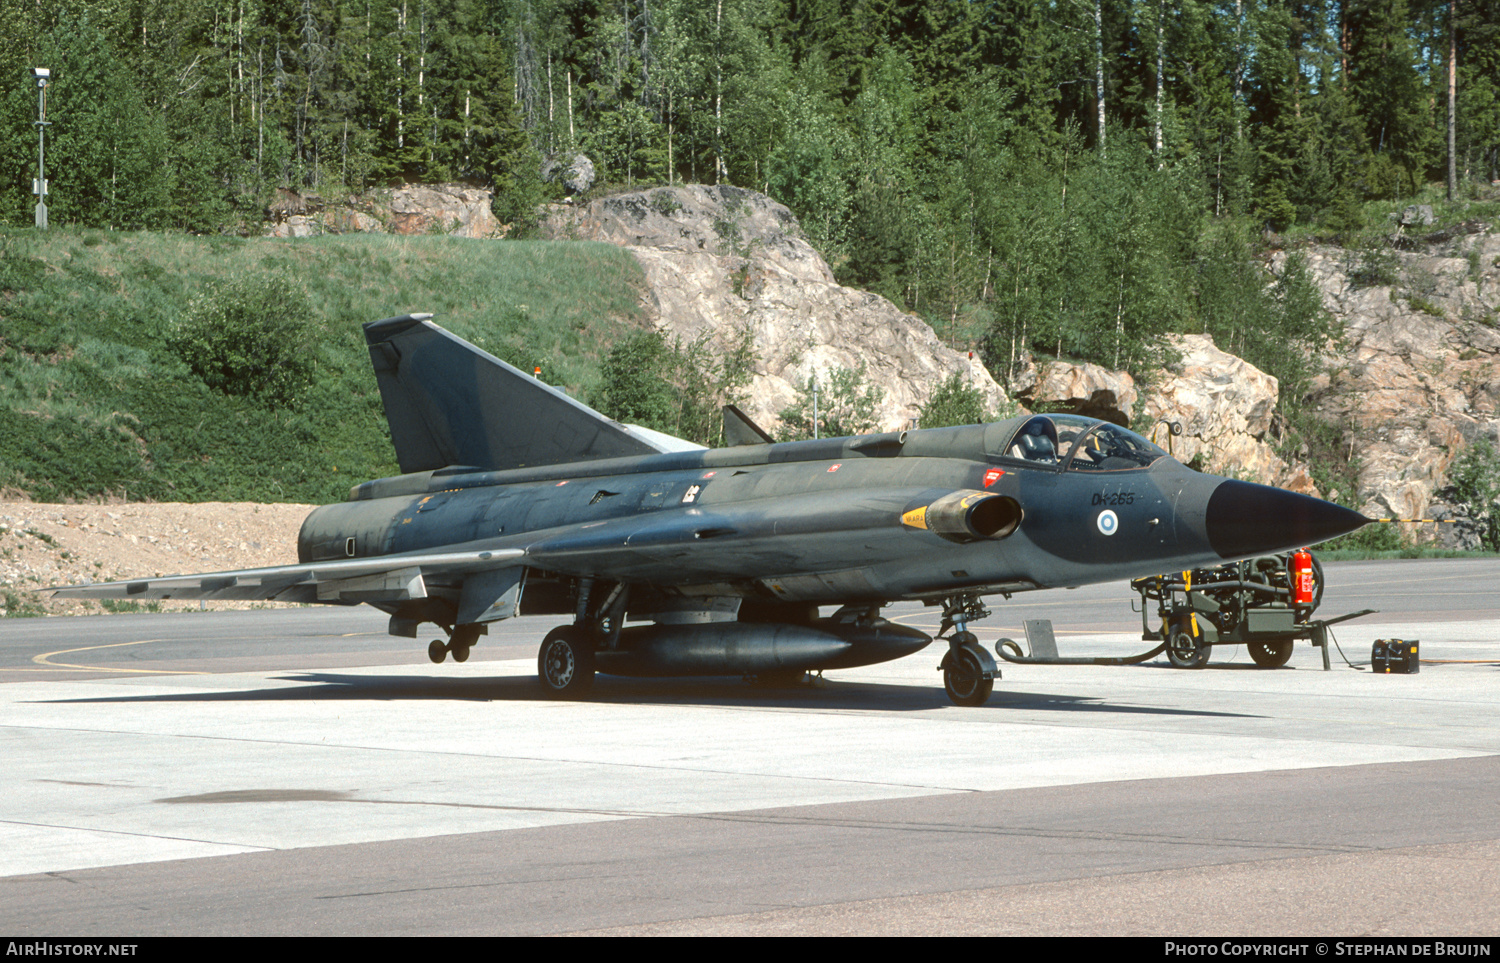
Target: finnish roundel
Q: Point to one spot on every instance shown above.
(1108, 522)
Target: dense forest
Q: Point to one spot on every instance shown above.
(1074, 176)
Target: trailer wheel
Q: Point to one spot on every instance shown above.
(1270, 655)
(1183, 650)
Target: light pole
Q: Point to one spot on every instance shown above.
(815, 402)
(42, 75)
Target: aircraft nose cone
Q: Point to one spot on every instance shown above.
(1245, 519)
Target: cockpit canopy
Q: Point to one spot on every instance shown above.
(1076, 443)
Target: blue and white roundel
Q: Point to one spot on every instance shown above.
(1108, 522)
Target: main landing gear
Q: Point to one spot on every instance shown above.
(969, 672)
(460, 640)
(565, 663)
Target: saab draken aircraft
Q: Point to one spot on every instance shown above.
(666, 558)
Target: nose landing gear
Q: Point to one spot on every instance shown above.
(966, 678)
(969, 672)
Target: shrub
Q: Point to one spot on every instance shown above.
(672, 387)
(252, 338)
(955, 402)
(1374, 264)
(636, 388)
(1475, 477)
(846, 406)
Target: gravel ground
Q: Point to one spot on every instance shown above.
(46, 545)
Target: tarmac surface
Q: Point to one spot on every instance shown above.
(301, 772)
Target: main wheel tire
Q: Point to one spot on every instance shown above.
(1185, 651)
(1270, 655)
(963, 679)
(437, 651)
(565, 663)
(460, 652)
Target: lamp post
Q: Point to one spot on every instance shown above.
(42, 75)
(815, 402)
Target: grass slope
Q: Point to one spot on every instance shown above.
(94, 402)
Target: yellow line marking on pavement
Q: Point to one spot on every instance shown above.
(25, 668)
(45, 660)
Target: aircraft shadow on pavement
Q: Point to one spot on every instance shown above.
(1224, 667)
(715, 691)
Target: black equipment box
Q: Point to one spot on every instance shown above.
(1395, 655)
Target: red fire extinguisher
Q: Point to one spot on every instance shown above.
(1303, 580)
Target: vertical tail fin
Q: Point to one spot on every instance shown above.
(449, 403)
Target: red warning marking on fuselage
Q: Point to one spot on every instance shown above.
(833, 468)
(991, 476)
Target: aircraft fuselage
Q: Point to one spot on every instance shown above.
(813, 521)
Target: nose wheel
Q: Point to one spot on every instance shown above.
(968, 671)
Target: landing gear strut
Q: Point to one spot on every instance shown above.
(969, 672)
(565, 663)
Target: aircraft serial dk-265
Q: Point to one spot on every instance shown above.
(671, 559)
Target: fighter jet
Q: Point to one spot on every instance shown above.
(666, 558)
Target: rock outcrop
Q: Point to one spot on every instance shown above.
(722, 261)
(413, 209)
(1225, 407)
(1419, 377)
(574, 171)
(1084, 389)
